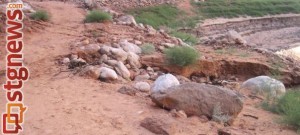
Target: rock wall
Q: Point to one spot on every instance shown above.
(246, 26)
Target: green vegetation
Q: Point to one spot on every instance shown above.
(167, 16)
(148, 48)
(97, 16)
(288, 106)
(235, 8)
(185, 37)
(275, 71)
(181, 55)
(40, 16)
(163, 15)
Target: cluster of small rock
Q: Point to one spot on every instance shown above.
(110, 62)
(230, 38)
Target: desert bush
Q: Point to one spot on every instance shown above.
(181, 55)
(40, 15)
(97, 16)
(148, 48)
(288, 106)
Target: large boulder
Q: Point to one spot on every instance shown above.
(201, 100)
(107, 74)
(264, 86)
(163, 82)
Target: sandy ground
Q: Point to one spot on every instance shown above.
(62, 104)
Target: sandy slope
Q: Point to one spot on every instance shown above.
(63, 104)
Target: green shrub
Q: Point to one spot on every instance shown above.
(288, 106)
(97, 16)
(185, 37)
(181, 55)
(40, 16)
(148, 48)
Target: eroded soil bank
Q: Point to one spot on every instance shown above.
(271, 32)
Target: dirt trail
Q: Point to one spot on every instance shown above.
(186, 6)
(62, 104)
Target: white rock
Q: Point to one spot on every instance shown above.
(90, 3)
(163, 82)
(134, 60)
(142, 86)
(168, 45)
(235, 37)
(65, 60)
(119, 54)
(150, 30)
(137, 42)
(127, 20)
(73, 56)
(108, 74)
(265, 86)
(130, 47)
(122, 70)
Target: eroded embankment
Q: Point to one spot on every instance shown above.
(222, 69)
(247, 25)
